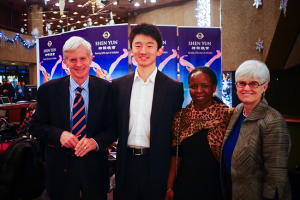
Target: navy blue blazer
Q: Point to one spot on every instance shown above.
(52, 117)
(167, 100)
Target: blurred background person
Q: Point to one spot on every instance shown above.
(30, 110)
(8, 90)
(257, 142)
(19, 90)
(202, 125)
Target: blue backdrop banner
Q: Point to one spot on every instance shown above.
(109, 47)
(199, 47)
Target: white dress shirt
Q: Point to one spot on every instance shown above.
(140, 111)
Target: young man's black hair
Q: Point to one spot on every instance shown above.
(148, 30)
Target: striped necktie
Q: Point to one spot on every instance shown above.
(79, 119)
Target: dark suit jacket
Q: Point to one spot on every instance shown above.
(167, 99)
(52, 117)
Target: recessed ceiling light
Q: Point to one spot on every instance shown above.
(95, 22)
(101, 6)
(60, 21)
(136, 4)
(74, 26)
(58, 25)
(25, 20)
(118, 17)
(25, 14)
(115, 3)
(55, 12)
(57, 4)
(51, 23)
(82, 16)
(89, 19)
(43, 20)
(53, 18)
(152, 1)
(101, 17)
(64, 16)
(84, 24)
(44, 15)
(75, 13)
(71, 1)
(69, 24)
(25, 24)
(71, 18)
(78, 21)
(79, 5)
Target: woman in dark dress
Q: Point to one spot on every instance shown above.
(201, 127)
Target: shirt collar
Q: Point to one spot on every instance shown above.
(150, 78)
(74, 85)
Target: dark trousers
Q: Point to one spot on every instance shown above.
(137, 182)
(80, 180)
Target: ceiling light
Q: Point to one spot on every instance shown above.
(78, 22)
(71, 18)
(25, 20)
(101, 6)
(95, 22)
(25, 14)
(25, 24)
(71, 1)
(55, 12)
(115, 3)
(74, 26)
(69, 24)
(53, 18)
(152, 1)
(75, 13)
(136, 4)
(51, 23)
(60, 21)
(58, 25)
(64, 16)
(57, 4)
(79, 5)
(89, 19)
(43, 20)
(101, 17)
(44, 15)
(84, 24)
(82, 16)
(118, 17)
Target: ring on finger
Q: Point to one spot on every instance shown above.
(85, 148)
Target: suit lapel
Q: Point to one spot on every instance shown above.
(94, 97)
(125, 95)
(64, 103)
(159, 94)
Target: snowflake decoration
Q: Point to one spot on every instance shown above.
(259, 45)
(257, 3)
(22, 30)
(283, 5)
(90, 23)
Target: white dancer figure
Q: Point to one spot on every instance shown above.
(47, 76)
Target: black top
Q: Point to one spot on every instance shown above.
(199, 173)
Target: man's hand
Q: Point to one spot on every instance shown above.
(84, 146)
(68, 140)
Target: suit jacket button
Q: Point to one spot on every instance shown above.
(65, 170)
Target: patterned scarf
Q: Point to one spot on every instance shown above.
(215, 118)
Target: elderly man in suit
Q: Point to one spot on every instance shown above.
(146, 101)
(74, 120)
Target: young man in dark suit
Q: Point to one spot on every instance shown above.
(74, 121)
(145, 101)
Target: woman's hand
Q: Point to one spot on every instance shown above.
(169, 195)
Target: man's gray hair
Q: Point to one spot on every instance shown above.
(253, 68)
(74, 42)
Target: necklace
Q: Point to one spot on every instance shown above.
(244, 113)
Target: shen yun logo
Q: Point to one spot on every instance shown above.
(200, 35)
(49, 43)
(106, 34)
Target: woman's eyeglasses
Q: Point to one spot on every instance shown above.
(253, 84)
